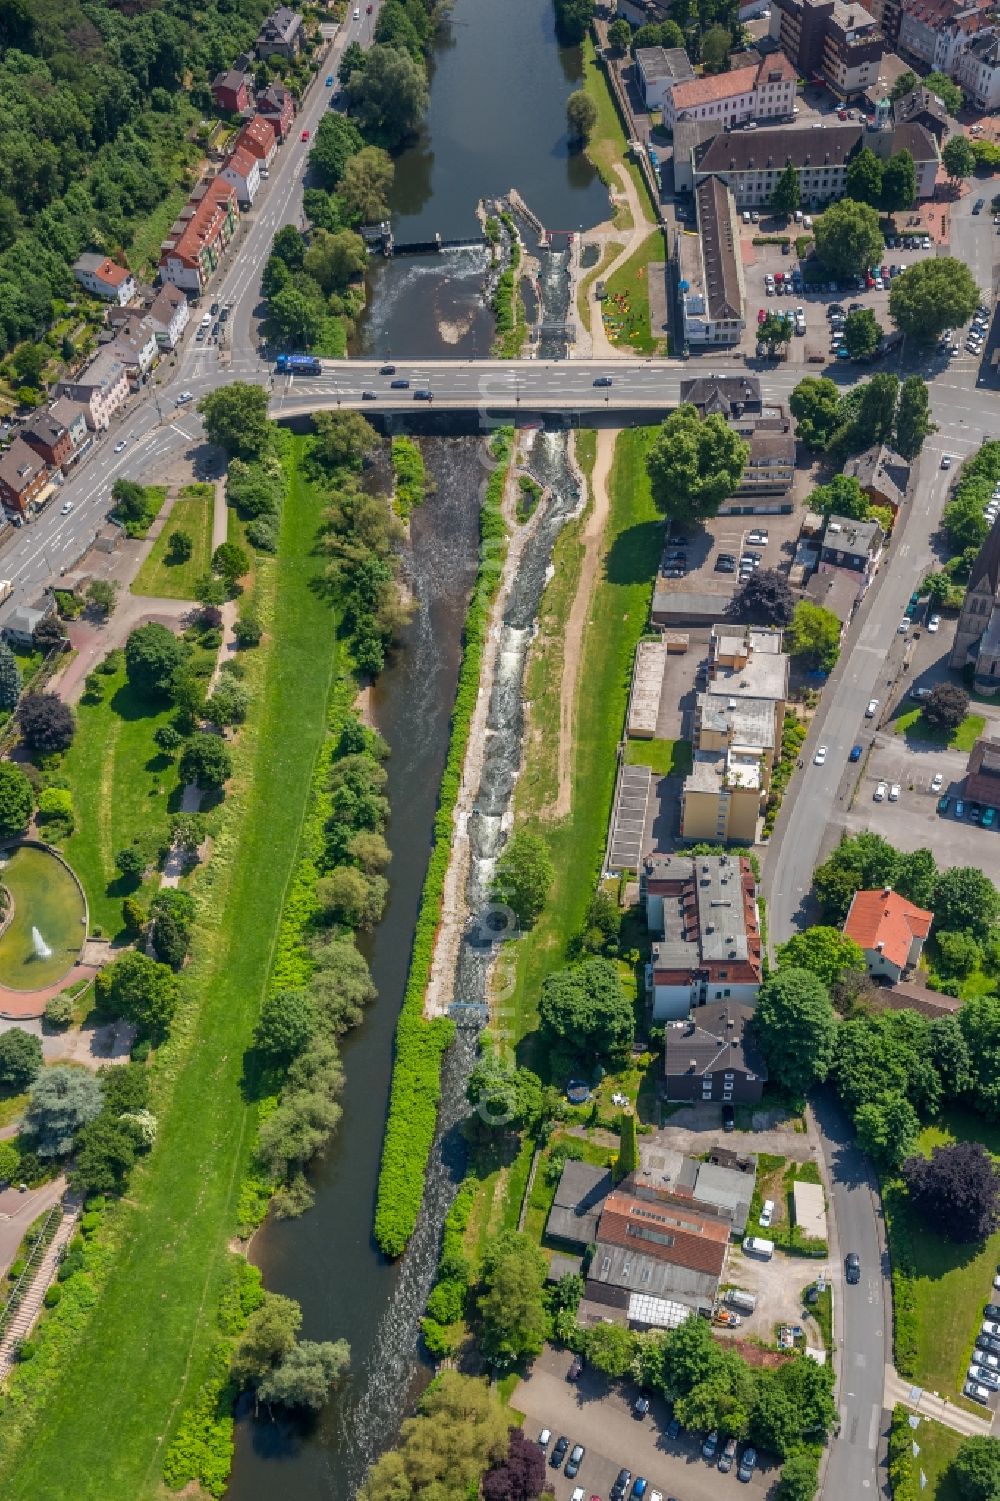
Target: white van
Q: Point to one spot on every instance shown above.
(754, 1245)
(798, 216)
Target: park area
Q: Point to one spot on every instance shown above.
(173, 568)
(46, 932)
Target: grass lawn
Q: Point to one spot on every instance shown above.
(155, 496)
(142, 1353)
(608, 254)
(914, 727)
(122, 786)
(626, 311)
(191, 513)
(617, 618)
(938, 1446)
(949, 1283)
(664, 757)
(607, 146)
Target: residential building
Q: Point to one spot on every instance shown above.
(282, 34)
(977, 71)
(730, 396)
(232, 91)
(50, 438)
(21, 624)
(761, 90)
(982, 774)
(750, 162)
(935, 32)
(714, 1057)
(704, 909)
(654, 1244)
(198, 239)
(770, 467)
(258, 138)
(25, 478)
(101, 388)
(659, 70)
(838, 591)
(135, 344)
(709, 269)
(852, 545)
(169, 313)
(977, 638)
(829, 41)
(889, 929)
(102, 277)
(276, 105)
(882, 475)
(738, 723)
(242, 169)
(921, 107)
(71, 416)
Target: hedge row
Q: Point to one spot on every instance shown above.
(902, 1480)
(420, 1044)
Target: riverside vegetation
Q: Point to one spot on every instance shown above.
(237, 1045)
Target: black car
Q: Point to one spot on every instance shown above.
(992, 1312)
(559, 1452)
(728, 1118)
(423, 395)
(369, 396)
(621, 1485)
(214, 309)
(725, 565)
(852, 1267)
(574, 1462)
(224, 315)
(989, 1342)
(674, 1428)
(576, 1369)
(399, 385)
(640, 1407)
(387, 370)
(602, 380)
(977, 207)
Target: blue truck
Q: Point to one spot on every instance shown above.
(298, 364)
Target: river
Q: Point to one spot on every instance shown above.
(496, 120)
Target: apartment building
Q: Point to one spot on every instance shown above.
(763, 90)
(707, 948)
(24, 478)
(169, 313)
(770, 467)
(977, 71)
(101, 389)
(829, 41)
(709, 269)
(934, 33)
(258, 138)
(242, 169)
(198, 239)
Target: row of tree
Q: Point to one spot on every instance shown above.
(881, 410)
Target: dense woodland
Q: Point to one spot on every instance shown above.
(96, 106)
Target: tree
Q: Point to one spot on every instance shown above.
(140, 989)
(876, 410)
(352, 898)
(267, 1339)
(581, 114)
(690, 1357)
(524, 875)
(958, 158)
(205, 761)
(628, 1147)
(179, 546)
(366, 184)
(795, 1402)
(520, 1474)
(765, 598)
(786, 197)
(388, 95)
(716, 45)
(913, 422)
(848, 238)
(61, 1100)
(610, 1349)
(235, 419)
(933, 295)
(287, 1023)
(975, 1470)
(20, 1057)
(505, 1095)
(956, 1190)
(796, 1028)
(694, 463)
(102, 596)
(776, 329)
(620, 35)
(899, 183)
(966, 900)
(343, 439)
(229, 704)
(585, 1009)
(864, 178)
(513, 1318)
(862, 332)
(105, 1155)
(825, 952)
(335, 260)
(10, 677)
(842, 496)
(947, 706)
(153, 656)
(289, 246)
(572, 20)
(17, 800)
(814, 635)
(460, 1428)
(817, 407)
(47, 724)
(799, 1477)
(49, 634)
(944, 89)
(231, 560)
(304, 1378)
(295, 316)
(887, 1129)
(337, 138)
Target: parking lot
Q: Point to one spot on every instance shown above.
(600, 1417)
(726, 535)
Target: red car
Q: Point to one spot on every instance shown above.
(841, 114)
(869, 279)
(761, 315)
(304, 136)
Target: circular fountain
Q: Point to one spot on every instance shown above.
(44, 917)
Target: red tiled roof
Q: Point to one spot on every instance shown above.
(884, 917)
(714, 86)
(242, 161)
(257, 137)
(201, 225)
(112, 273)
(669, 1233)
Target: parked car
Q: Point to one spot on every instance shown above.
(976, 1392)
(872, 708)
(852, 1267)
(545, 1438)
(894, 791)
(934, 624)
(747, 1463)
(937, 782)
(988, 1342)
(855, 754)
(576, 1368)
(638, 1487)
(621, 1485)
(727, 1456)
(728, 1118)
(575, 1461)
(674, 1428)
(985, 1377)
(710, 1444)
(766, 1213)
(559, 1452)
(640, 1407)
(878, 795)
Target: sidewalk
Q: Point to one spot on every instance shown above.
(930, 1405)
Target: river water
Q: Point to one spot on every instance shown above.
(497, 120)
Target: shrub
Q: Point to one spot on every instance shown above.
(55, 811)
(53, 1294)
(59, 1010)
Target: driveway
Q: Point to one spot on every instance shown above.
(598, 1415)
(698, 1128)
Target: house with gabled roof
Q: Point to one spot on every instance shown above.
(891, 931)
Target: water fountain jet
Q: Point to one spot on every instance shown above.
(39, 946)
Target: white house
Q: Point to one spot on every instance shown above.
(243, 171)
(169, 313)
(977, 71)
(101, 389)
(105, 278)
